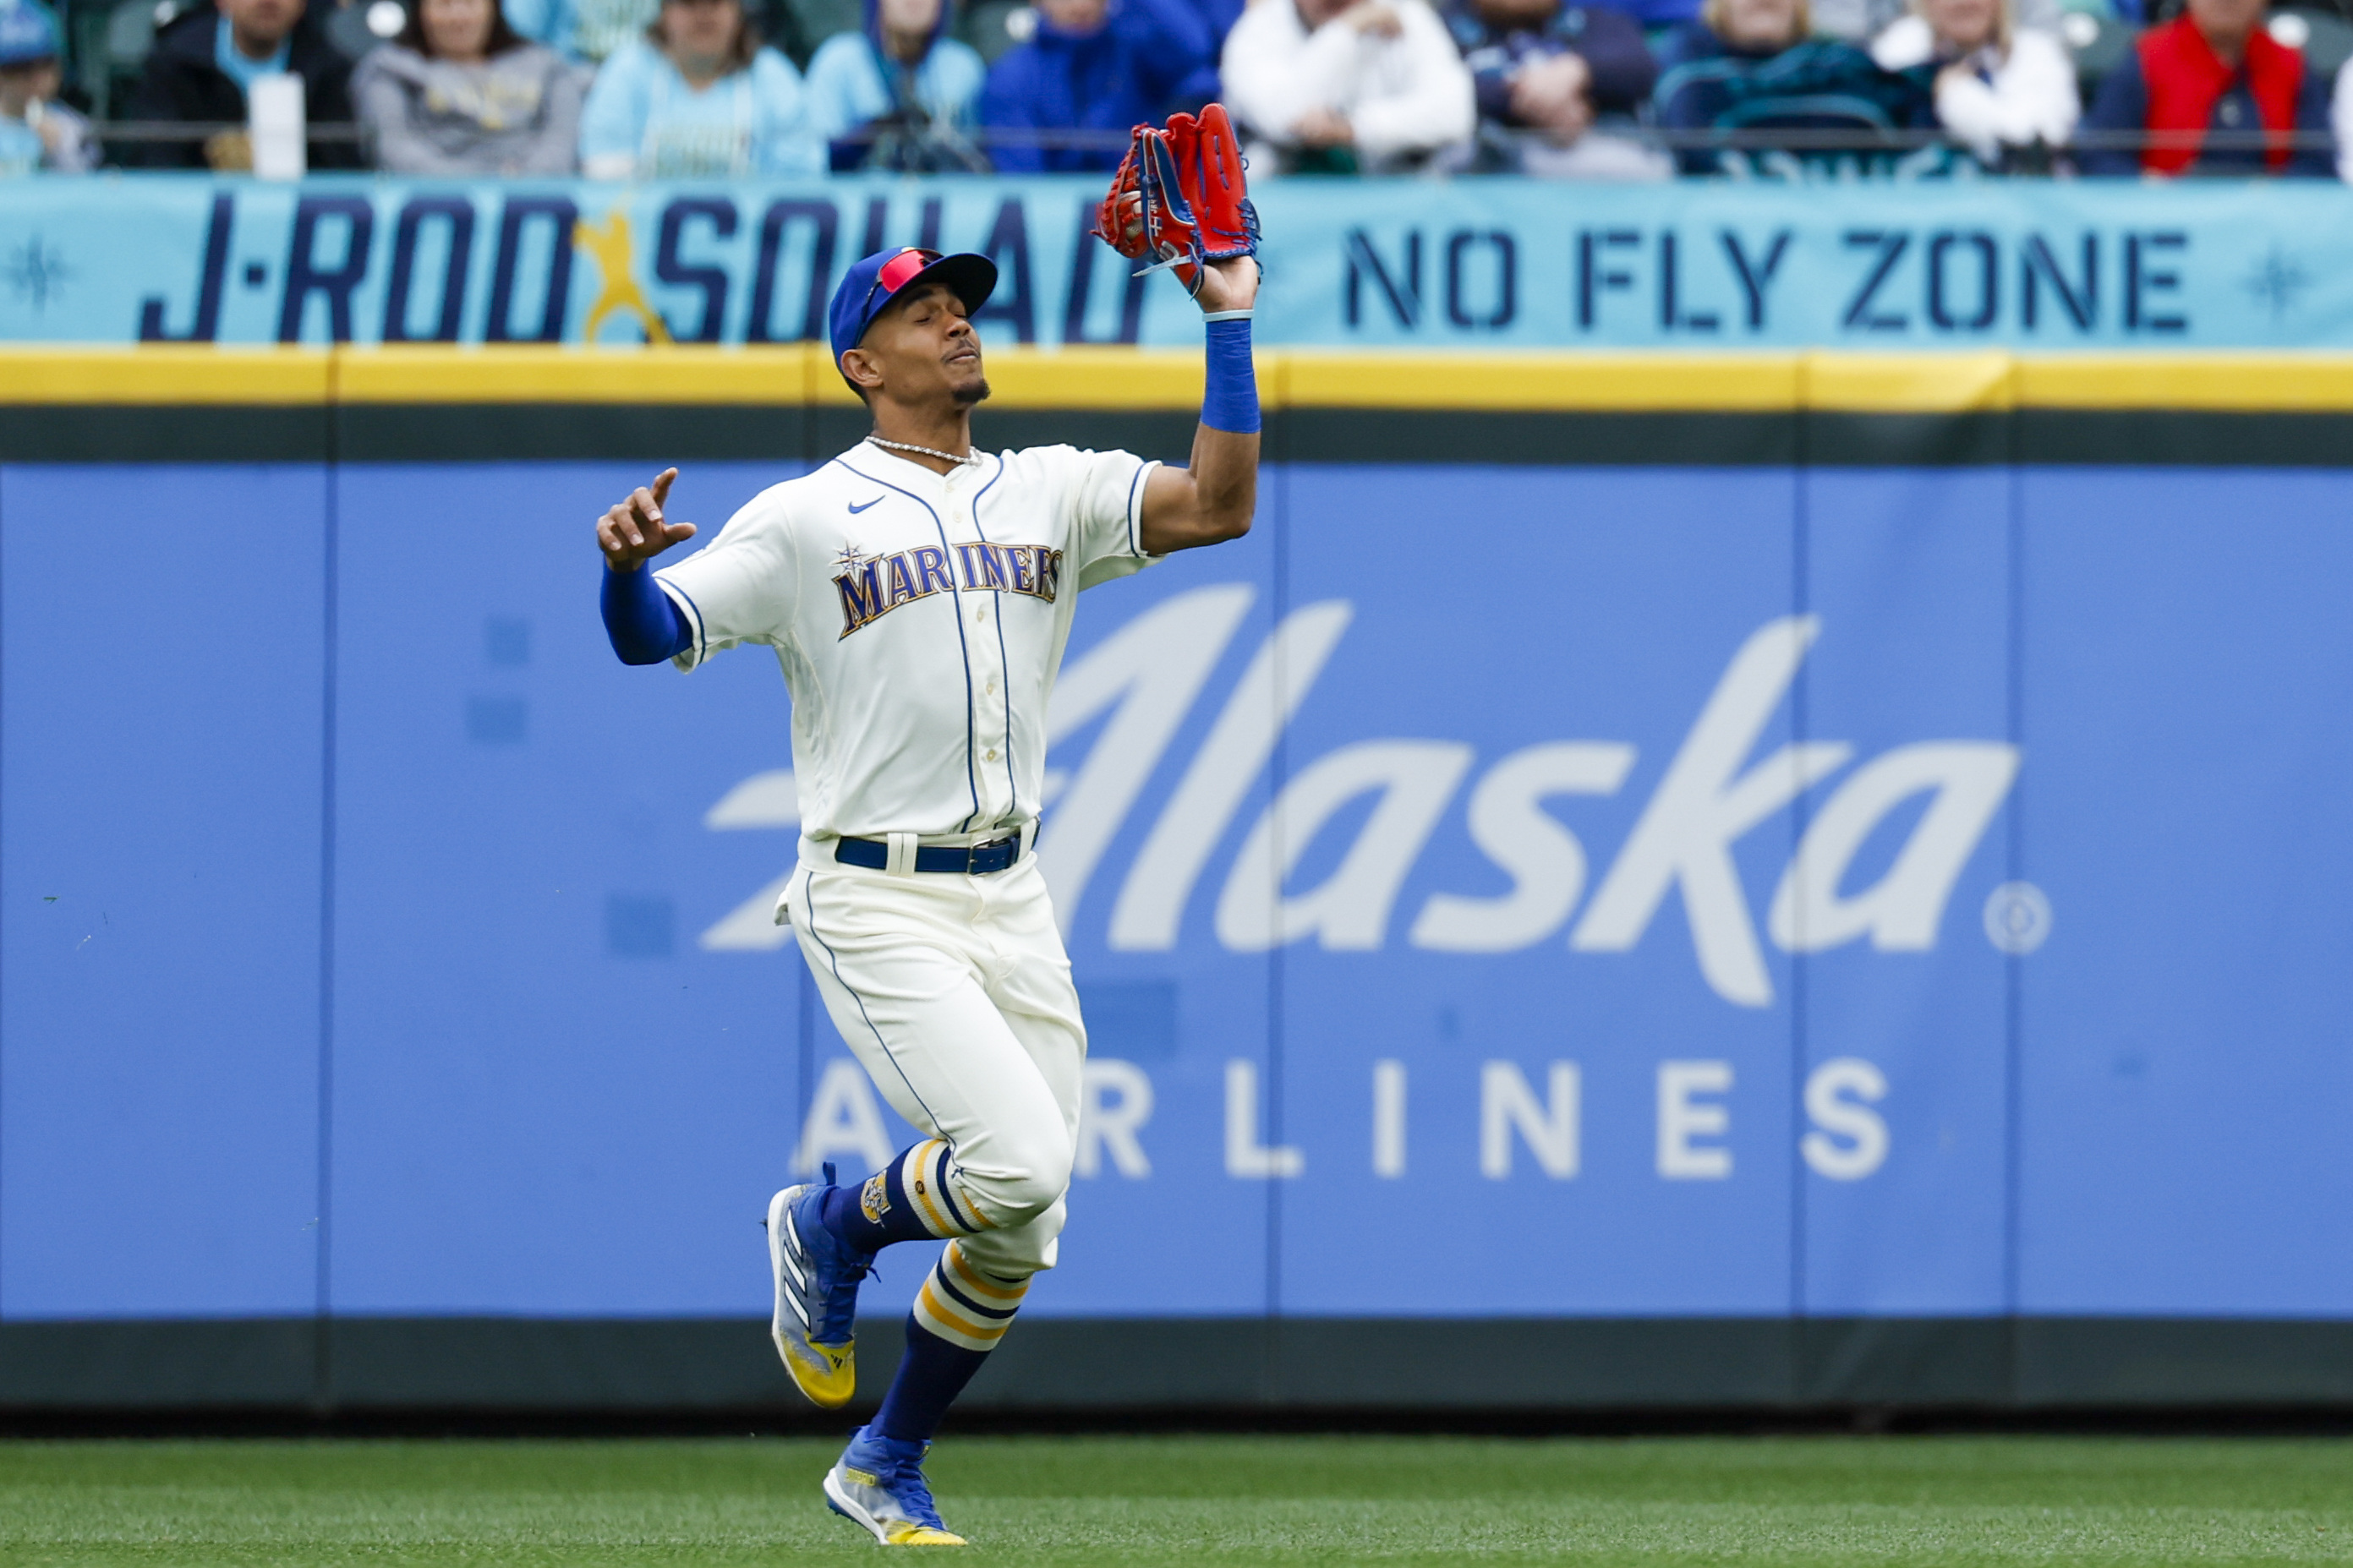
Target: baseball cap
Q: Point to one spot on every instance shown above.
(873, 283)
(27, 33)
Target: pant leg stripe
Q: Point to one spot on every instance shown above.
(808, 906)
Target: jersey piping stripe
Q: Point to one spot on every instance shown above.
(1012, 791)
(963, 652)
(808, 908)
(693, 613)
(1136, 510)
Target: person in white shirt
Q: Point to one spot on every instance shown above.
(1377, 79)
(1999, 85)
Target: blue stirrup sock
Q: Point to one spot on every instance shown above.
(1229, 397)
(912, 1198)
(960, 1315)
(931, 1374)
(645, 627)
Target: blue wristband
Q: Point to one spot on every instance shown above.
(1229, 398)
(643, 624)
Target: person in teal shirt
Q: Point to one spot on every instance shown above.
(899, 94)
(585, 30)
(697, 96)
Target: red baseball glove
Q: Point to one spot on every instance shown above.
(1180, 197)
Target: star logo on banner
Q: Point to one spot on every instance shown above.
(36, 273)
(2277, 280)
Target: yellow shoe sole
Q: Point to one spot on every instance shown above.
(828, 1387)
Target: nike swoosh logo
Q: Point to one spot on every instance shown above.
(856, 510)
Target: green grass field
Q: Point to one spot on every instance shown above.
(1195, 1501)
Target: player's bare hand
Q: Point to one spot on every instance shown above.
(1230, 285)
(636, 530)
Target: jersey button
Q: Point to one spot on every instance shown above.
(991, 757)
(981, 614)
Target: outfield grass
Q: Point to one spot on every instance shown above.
(1195, 1500)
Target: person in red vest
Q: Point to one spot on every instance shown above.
(2217, 95)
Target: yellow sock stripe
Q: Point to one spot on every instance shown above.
(952, 1323)
(971, 1282)
(961, 1201)
(921, 1173)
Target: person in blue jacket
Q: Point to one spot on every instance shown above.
(899, 94)
(1093, 66)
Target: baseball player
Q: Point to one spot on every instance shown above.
(918, 594)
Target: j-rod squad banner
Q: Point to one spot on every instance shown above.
(1466, 264)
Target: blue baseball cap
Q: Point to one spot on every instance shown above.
(874, 282)
(27, 33)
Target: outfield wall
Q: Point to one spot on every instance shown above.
(1764, 880)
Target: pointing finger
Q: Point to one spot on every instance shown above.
(661, 485)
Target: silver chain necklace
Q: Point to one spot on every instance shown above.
(926, 451)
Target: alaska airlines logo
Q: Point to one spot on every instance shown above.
(871, 586)
(1136, 688)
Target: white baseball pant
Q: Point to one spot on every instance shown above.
(954, 994)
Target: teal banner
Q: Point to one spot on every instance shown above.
(1468, 264)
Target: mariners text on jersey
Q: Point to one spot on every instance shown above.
(931, 719)
(874, 585)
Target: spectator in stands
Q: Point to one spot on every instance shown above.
(1751, 65)
(697, 96)
(2213, 69)
(460, 92)
(2340, 122)
(37, 131)
(1997, 85)
(1543, 71)
(1178, 42)
(202, 62)
(1096, 66)
(899, 94)
(1369, 85)
(585, 30)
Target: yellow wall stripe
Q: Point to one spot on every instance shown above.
(167, 374)
(790, 375)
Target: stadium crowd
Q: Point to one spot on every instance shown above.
(1594, 89)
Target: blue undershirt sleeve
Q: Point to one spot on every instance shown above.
(644, 626)
(1230, 395)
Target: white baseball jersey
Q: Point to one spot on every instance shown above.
(920, 620)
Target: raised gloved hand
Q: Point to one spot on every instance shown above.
(1180, 197)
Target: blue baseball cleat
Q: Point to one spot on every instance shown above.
(879, 1484)
(816, 1295)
